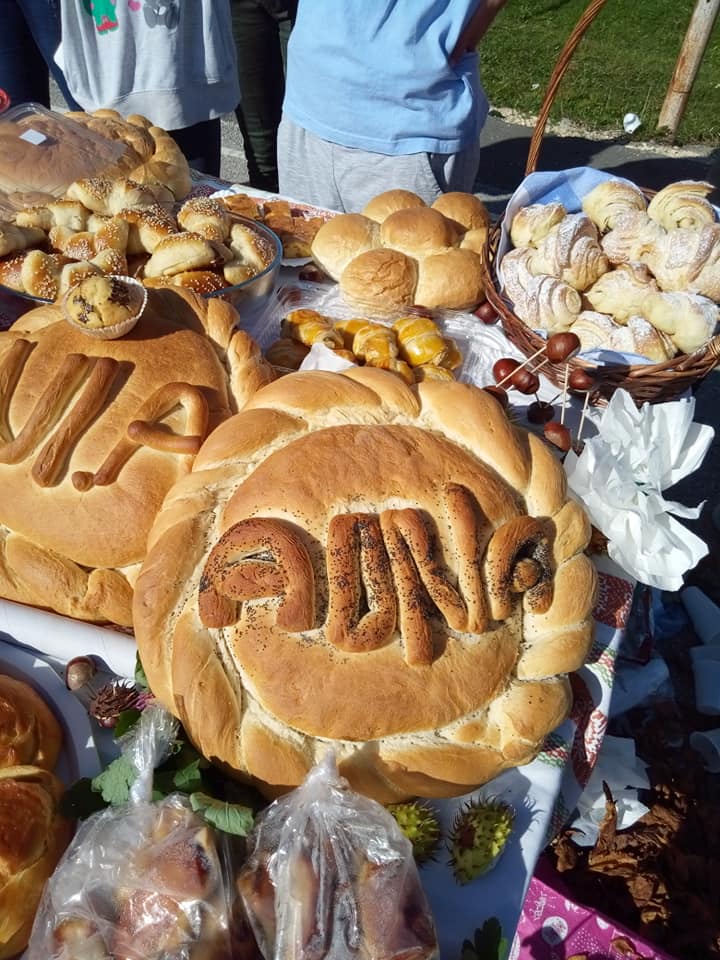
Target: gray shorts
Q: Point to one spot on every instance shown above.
(343, 178)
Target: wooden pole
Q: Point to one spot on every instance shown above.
(688, 63)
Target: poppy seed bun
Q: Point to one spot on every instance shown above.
(341, 239)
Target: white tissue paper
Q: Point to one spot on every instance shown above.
(620, 475)
(321, 357)
(618, 766)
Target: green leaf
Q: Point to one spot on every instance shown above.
(126, 721)
(141, 679)
(488, 943)
(228, 817)
(80, 800)
(115, 781)
(189, 778)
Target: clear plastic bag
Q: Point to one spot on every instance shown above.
(140, 881)
(330, 876)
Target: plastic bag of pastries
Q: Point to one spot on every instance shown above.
(140, 881)
(95, 434)
(331, 876)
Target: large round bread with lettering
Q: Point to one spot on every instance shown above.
(93, 433)
(393, 571)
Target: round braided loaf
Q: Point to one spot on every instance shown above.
(396, 570)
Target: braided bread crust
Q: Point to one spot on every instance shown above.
(396, 570)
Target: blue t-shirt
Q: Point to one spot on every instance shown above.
(375, 74)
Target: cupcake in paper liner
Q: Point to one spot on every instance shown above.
(104, 306)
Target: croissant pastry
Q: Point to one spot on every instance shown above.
(348, 328)
(620, 292)
(532, 224)
(375, 343)
(689, 320)
(571, 252)
(550, 304)
(687, 259)
(393, 364)
(682, 204)
(599, 331)
(420, 341)
(147, 227)
(108, 197)
(633, 235)
(182, 251)
(309, 327)
(610, 200)
(287, 353)
(515, 275)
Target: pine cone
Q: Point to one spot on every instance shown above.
(110, 701)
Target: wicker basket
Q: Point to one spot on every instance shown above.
(644, 382)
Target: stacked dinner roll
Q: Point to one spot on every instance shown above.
(394, 571)
(33, 835)
(399, 252)
(625, 274)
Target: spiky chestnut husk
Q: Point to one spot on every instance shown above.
(420, 825)
(479, 834)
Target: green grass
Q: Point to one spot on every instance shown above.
(623, 64)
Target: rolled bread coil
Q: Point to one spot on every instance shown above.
(687, 259)
(147, 227)
(549, 304)
(689, 320)
(342, 239)
(61, 213)
(621, 292)
(683, 204)
(610, 200)
(531, 224)
(632, 237)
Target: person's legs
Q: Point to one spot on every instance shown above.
(201, 145)
(456, 171)
(305, 167)
(23, 71)
(43, 21)
(261, 33)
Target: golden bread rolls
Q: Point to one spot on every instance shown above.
(452, 279)
(381, 206)
(342, 239)
(465, 210)
(33, 837)
(29, 733)
(99, 430)
(381, 280)
(179, 252)
(417, 232)
(393, 570)
(386, 262)
(210, 218)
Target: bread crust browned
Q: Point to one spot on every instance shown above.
(95, 432)
(396, 570)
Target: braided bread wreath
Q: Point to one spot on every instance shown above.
(93, 433)
(345, 564)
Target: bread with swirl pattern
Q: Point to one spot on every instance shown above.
(396, 571)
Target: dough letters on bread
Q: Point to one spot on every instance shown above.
(364, 571)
